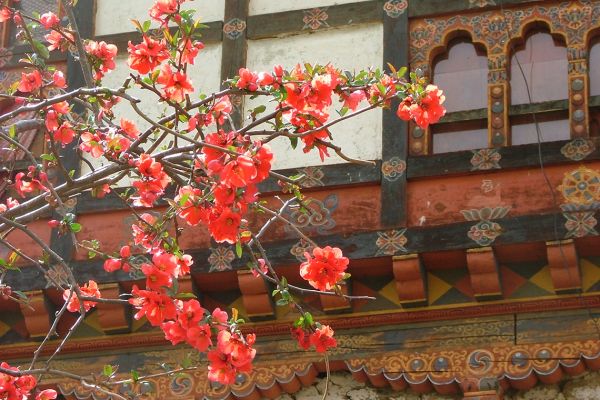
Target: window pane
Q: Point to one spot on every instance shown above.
(545, 66)
(463, 77)
(29, 7)
(550, 131)
(594, 65)
(460, 140)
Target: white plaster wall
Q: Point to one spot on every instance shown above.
(272, 6)
(114, 16)
(205, 75)
(353, 48)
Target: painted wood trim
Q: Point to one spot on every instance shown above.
(394, 141)
(296, 21)
(514, 111)
(362, 245)
(315, 178)
(461, 162)
(84, 13)
(234, 49)
(213, 33)
(425, 8)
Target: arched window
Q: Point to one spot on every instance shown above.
(462, 73)
(593, 65)
(539, 74)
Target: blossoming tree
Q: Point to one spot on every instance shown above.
(197, 152)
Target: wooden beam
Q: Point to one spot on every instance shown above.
(84, 13)
(234, 49)
(411, 280)
(336, 304)
(360, 245)
(212, 33)
(564, 266)
(425, 8)
(37, 314)
(394, 138)
(484, 275)
(308, 20)
(113, 318)
(256, 296)
(511, 157)
(315, 178)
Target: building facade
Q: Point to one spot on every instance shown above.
(478, 237)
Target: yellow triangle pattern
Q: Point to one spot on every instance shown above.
(590, 273)
(4, 328)
(436, 287)
(389, 292)
(543, 279)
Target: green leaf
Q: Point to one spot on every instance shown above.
(282, 302)
(294, 142)
(107, 370)
(182, 296)
(184, 199)
(48, 157)
(308, 318)
(12, 131)
(75, 227)
(41, 49)
(186, 362)
(146, 26)
(238, 249)
(135, 375)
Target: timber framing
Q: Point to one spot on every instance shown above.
(394, 136)
(359, 246)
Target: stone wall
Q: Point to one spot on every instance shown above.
(343, 386)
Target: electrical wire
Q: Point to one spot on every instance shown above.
(555, 205)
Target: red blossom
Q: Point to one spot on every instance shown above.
(198, 337)
(129, 128)
(5, 14)
(147, 55)
(190, 50)
(103, 57)
(58, 79)
(156, 307)
(15, 388)
(326, 269)
(30, 82)
(90, 289)
(64, 134)
(262, 267)
(49, 20)
(47, 394)
(91, 143)
(428, 111)
(247, 80)
(175, 84)
(112, 264)
(225, 227)
(191, 209)
(352, 100)
(59, 41)
(174, 333)
(163, 9)
(322, 338)
(301, 337)
(238, 172)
